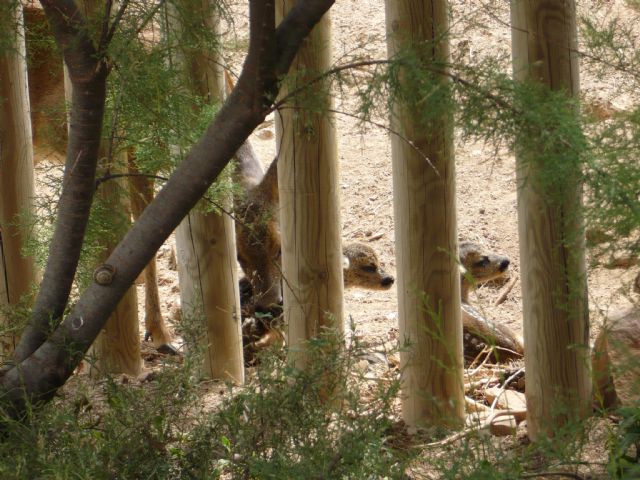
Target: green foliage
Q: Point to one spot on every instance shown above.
(562, 145)
(286, 423)
(150, 112)
(129, 433)
(303, 423)
(292, 423)
(624, 444)
(8, 25)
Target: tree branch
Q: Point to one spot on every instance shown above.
(114, 25)
(88, 78)
(42, 373)
(72, 36)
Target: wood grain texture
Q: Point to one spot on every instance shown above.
(206, 241)
(554, 290)
(309, 196)
(426, 236)
(17, 273)
(117, 348)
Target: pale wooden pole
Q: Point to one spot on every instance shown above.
(206, 241)
(117, 348)
(552, 251)
(17, 273)
(426, 237)
(309, 197)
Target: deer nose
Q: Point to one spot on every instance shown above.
(504, 264)
(387, 281)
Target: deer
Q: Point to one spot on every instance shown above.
(258, 242)
(478, 266)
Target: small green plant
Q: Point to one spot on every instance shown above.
(624, 445)
(302, 423)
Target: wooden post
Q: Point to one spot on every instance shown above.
(554, 290)
(17, 273)
(425, 230)
(117, 348)
(206, 241)
(309, 198)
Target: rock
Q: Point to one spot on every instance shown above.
(503, 426)
(509, 400)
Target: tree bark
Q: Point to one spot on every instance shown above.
(271, 52)
(309, 199)
(17, 273)
(425, 229)
(88, 73)
(552, 252)
(206, 241)
(117, 348)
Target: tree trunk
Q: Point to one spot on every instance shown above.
(206, 241)
(88, 72)
(309, 198)
(17, 273)
(37, 375)
(425, 229)
(554, 290)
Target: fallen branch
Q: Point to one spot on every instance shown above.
(553, 474)
(476, 428)
(505, 291)
(474, 406)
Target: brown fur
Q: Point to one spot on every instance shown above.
(258, 235)
(258, 241)
(362, 268)
(479, 267)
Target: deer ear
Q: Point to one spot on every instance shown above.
(345, 263)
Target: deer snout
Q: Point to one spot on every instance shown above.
(387, 280)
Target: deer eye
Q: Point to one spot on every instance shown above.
(369, 268)
(483, 263)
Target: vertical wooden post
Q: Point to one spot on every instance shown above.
(17, 273)
(425, 230)
(552, 251)
(309, 198)
(206, 241)
(117, 348)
